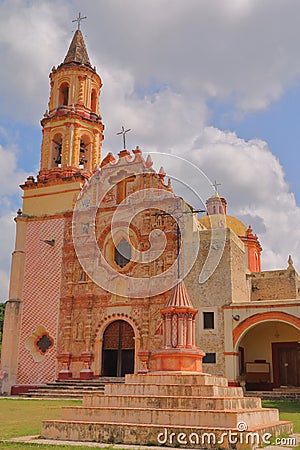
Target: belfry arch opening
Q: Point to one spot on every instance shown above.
(56, 151)
(84, 152)
(63, 98)
(269, 356)
(118, 349)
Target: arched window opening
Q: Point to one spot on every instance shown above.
(56, 151)
(122, 254)
(94, 101)
(84, 153)
(63, 99)
(214, 209)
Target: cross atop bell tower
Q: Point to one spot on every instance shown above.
(72, 126)
(79, 19)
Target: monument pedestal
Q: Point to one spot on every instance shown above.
(174, 409)
(178, 360)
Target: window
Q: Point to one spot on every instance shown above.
(208, 320)
(122, 253)
(44, 343)
(63, 99)
(209, 358)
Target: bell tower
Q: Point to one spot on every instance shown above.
(70, 150)
(72, 127)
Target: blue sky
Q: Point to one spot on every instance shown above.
(278, 125)
(215, 82)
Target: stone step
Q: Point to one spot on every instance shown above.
(176, 378)
(72, 388)
(93, 382)
(287, 389)
(189, 390)
(53, 395)
(151, 434)
(184, 417)
(167, 402)
(61, 392)
(67, 391)
(271, 395)
(73, 385)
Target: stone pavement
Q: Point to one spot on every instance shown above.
(285, 445)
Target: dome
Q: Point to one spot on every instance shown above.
(220, 220)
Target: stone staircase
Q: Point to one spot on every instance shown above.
(276, 394)
(167, 408)
(72, 389)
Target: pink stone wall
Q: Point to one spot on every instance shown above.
(40, 298)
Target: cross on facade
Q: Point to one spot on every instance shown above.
(216, 185)
(78, 20)
(178, 232)
(123, 132)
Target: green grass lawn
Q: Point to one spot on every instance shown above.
(20, 417)
(288, 411)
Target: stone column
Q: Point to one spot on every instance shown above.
(168, 328)
(180, 331)
(76, 145)
(189, 340)
(66, 146)
(81, 91)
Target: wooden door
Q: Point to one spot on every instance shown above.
(286, 364)
(118, 349)
(289, 366)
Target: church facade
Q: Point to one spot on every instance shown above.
(101, 243)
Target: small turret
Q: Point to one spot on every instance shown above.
(216, 205)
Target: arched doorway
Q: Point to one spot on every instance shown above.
(269, 355)
(118, 349)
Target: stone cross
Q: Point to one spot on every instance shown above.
(215, 185)
(123, 132)
(78, 20)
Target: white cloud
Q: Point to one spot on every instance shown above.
(11, 176)
(31, 38)
(243, 51)
(161, 121)
(237, 50)
(254, 184)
